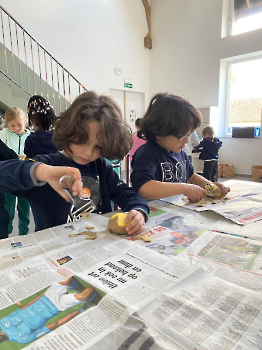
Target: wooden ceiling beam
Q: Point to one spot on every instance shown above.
(148, 39)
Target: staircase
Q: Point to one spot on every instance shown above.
(27, 68)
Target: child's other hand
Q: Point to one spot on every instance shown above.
(136, 222)
(52, 175)
(194, 193)
(223, 189)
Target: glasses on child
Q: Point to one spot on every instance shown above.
(181, 138)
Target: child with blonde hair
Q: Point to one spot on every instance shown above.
(14, 137)
(209, 147)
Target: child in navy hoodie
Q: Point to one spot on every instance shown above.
(209, 147)
(90, 130)
(160, 167)
(41, 117)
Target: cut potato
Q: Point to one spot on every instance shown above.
(117, 223)
(212, 190)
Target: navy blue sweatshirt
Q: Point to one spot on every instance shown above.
(153, 162)
(48, 207)
(39, 142)
(209, 148)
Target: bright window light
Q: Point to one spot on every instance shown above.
(245, 94)
(246, 24)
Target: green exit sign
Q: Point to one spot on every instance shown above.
(128, 85)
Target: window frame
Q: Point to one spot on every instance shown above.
(230, 19)
(225, 100)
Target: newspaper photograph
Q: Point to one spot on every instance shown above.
(234, 259)
(173, 234)
(30, 319)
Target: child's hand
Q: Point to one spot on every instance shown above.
(136, 222)
(194, 193)
(223, 189)
(52, 175)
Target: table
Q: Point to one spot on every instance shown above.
(187, 288)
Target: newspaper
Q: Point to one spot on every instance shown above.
(123, 275)
(238, 205)
(240, 189)
(242, 211)
(116, 282)
(252, 231)
(230, 258)
(203, 312)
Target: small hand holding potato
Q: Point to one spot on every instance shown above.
(117, 223)
(132, 223)
(223, 189)
(212, 190)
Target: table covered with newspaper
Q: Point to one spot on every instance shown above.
(195, 284)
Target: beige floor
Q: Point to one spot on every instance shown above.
(15, 224)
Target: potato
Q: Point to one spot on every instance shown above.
(117, 223)
(212, 190)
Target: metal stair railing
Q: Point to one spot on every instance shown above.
(32, 68)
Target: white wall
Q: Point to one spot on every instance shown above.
(91, 37)
(185, 60)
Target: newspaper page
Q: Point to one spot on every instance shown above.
(234, 259)
(15, 249)
(116, 276)
(175, 237)
(252, 231)
(204, 312)
(159, 211)
(238, 190)
(256, 197)
(243, 188)
(242, 211)
(69, 292)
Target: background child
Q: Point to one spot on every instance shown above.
(89, 130)
(14, 137)
(209, 147)
(5, 153)
(161, 167)
(193, 141)
(41, 117)
(137, 141)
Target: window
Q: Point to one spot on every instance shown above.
(244, 97)
(246, 15)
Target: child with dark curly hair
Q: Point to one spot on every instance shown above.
(41, 117)
(90, 130)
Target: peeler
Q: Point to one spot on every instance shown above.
(85, 204)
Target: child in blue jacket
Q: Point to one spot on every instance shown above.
(90, 130)
(209, 147)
